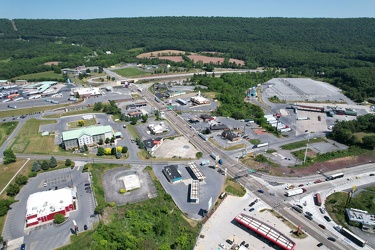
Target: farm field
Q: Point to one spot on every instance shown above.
(30, 141)
(160, 53)
(6, 129)
(47, 74)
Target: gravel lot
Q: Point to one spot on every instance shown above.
(178, 147)
(112, 186)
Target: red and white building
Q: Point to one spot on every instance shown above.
(42, 206)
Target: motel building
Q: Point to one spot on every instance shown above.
(42, 206)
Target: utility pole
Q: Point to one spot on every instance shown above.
(307, 146)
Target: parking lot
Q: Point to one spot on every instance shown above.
(47, 235)
(209, 188)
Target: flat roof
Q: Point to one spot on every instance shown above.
(172, 173)
(266, 231)
(196, 171)
(194, 190)
(130, 181)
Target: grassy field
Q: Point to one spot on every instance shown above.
(234, 188)
(19, 112)
(74, 125)
(301, 144)
(8, 171)
(30, 141)
(254, 141)
(6, 128)
(335, 204)
(360, 135)
(47, 74)
(130, 72)
(232, 147)
(73, 112)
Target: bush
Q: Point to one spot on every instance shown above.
(36, 166)
(21, 180)
(32, 174)
(5, 206)
(53, 162)
(199, 155)
(13, 189)
(45, 165)
(58, 218)
(100, 152)
(9, 156)
(68, 162)
(122, 191)
(124, 150)
(108, 151)
(111, 204)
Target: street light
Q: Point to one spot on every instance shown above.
(307, 146)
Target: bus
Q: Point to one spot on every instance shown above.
(202, 136)
(334, 176)
(354, 238)
(318, 199)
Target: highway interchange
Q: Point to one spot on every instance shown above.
(252, 182)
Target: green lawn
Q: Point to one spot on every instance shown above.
(74, 125)
(6, 128)
(130, 72)
(301, 144)
(47, 75)
(155, 223)
(360, 135)
(19, 112)
(30, 141)
(335, 204)
(234, 188)
(73, 112)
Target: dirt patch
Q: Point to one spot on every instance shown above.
(172, 58)
(179, 147)
(160, 53)
(260, 131)
(51, 63)
(206, 59)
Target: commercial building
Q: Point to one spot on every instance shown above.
(366, 220)
(85, 92)
(152, 144)
(42, 206)
(90, 136)
(158, 128)
(172, 174)
(199, 100)
(227, 134)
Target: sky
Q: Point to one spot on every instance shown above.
(90, 9)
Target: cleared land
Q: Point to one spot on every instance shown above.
(161, 52)
(8, 171)
(172, 58)
(6, 129)
(301, 144)
(18, 112)
(130, 72)
(179, 147)
(30, 141)
(47, 74)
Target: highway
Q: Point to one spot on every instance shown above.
(233, 168)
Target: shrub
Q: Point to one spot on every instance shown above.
(68, 162)
(58, 218)
(111, 204)
(122, 191)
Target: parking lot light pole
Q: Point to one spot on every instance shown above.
(307, 146)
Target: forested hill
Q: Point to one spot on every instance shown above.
(303, 45)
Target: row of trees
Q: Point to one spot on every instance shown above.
(117, 151)
(9, 156)
(44, 165)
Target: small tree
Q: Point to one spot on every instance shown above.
(122, 117)
(58, 218)
(100, 152)
(81, 123)
(68, 162)
(133, 121)
(53, 162)
(85, 148)
(98, 106)
(13, 189)
(77, 95)
(141, 145)
(144, 118)
(199, 155)
(113, 151)
(21, 180)
(107, 140)
(45, 165)
(9, 156)
(124, 150)
(36, 166)
(113, 139)
(107, 151)
(118, 155)
(100, 142)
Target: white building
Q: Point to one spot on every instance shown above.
(85, 92)
(43, 206)
(158, 128)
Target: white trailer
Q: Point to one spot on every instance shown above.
(295, 192)
(284, 130)
(303, 118)
(88, 117)
(261, 145)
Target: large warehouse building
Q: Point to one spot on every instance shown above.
(43, 206)
(90, 136)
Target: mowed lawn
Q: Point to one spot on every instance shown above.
(19, 112)
(129, 72)
(8, 171)
(87, 123)
(47, 74)
(6, 128)
(29, 140)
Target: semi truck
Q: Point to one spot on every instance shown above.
(202, 136)
(261, 145)
(295, 192)
(303, 118)
(213, 156)
(318, 199)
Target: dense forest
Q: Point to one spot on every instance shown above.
(340, 50)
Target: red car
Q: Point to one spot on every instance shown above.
(317, 181)
(300, 185)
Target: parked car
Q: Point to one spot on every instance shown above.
(256, 200)
(322, 210)
(308, 217)
(243, 243)
(251, 204)
(317, 181)
(291, 186)
(260, 191)
(327, 218)
(251, 209)
(331, 239)
(308, 213)
(87, 184)
(247, 245)
(320, 244)
(85, 227)
(45, 184)
(322, 226)
(372, 174)
(300, 185)
(299, 206)
(229, 241)
(23, 246)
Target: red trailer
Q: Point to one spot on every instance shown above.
(318, 199)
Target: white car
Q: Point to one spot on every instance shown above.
(45, 184)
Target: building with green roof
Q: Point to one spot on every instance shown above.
(90, 136)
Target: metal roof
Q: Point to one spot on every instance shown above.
(92, 130)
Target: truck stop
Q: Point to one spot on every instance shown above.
(266, 231)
